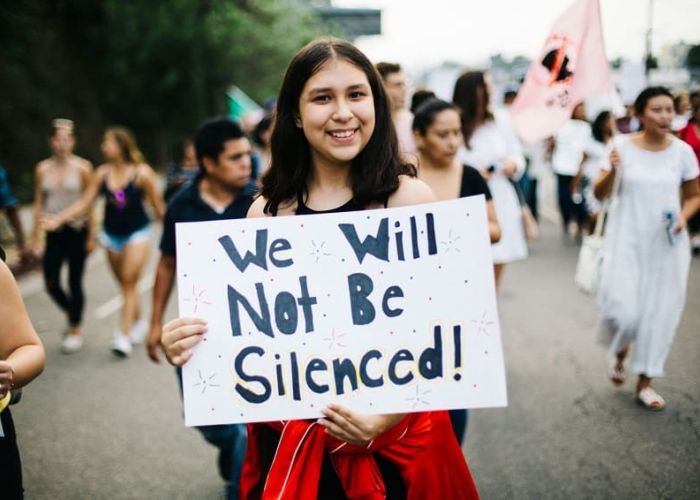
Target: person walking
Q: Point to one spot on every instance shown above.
(646, 252)
(8, 203)
(492, 146)
(60, 181)
(222, 190)
(124, 180)
(438, 134)
(22, 359)
(570, 144)
(396, 87)
(334, 150)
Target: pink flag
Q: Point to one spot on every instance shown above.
(571, 67)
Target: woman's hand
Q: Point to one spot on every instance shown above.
(353, 428)
(681, 224)
(614, 159)
(90, 243)
(7, 376)
(50, 222)
(180, 336)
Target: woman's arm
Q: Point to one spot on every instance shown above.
(690, 203)
(21, 351)
(494, 226)
(86, 170)
(148, 184)
(38, 206)
(606, 178)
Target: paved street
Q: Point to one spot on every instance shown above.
(96, 427)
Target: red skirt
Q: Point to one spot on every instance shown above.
(422, 447)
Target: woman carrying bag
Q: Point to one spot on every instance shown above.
(646, 252)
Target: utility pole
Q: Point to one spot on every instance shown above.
(649, 61)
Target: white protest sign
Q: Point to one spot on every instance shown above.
(382, 311)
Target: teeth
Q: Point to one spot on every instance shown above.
(342, 134)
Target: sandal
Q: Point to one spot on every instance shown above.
(616, 372)
(651, 399)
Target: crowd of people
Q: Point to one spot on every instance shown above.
(341, 137)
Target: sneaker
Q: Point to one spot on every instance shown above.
(71, 344)
(121, 345)
(138, 332)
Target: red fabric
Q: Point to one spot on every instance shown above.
(422, 447)
(689, 135)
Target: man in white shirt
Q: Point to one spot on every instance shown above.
(569, 149)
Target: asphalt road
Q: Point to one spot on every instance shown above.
(95, 427)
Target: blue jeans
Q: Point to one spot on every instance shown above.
(230, 439)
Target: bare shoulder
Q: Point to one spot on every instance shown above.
(102, 170)
(411, 191)
(42, 166)
(144, 170)
(257, 209)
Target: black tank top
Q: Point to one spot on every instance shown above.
(329, 483)
(124, 210)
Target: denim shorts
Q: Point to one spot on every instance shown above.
(117, 243)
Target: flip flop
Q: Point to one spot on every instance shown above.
(651, 399)
(616, 372)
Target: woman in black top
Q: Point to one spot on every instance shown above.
(125, 180)
(438, 133)
(437, 130)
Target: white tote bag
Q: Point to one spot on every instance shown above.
(590, 257)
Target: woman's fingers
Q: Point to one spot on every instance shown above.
(180, 336)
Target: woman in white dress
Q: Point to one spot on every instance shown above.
(493, 148)
(646, 253)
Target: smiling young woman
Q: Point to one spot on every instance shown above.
(334, 149)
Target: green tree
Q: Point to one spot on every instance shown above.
(692, 60)
(158, 67)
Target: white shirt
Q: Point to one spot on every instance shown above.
(571, 143)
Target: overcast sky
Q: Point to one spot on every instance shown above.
(420, 33)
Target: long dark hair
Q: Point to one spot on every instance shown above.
(598, 126)
(374, 171)
(466, 98)
(425, 114)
